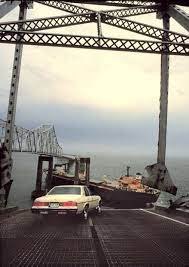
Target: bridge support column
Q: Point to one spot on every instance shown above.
(49, 175)
(157, 174)
(163, 96)
(77, 164)
(14, 85)
(39, 174)
(39, 191)
(87, 178)
(13, 98)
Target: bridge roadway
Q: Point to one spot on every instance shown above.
(115, 238)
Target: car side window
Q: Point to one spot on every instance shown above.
(87, 192)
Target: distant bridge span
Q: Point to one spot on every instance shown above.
(41, 140)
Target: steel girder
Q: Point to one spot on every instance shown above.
(7, 6)
(48, 23)
(132, 11)
(131, 2)
(144, 29)
(62, 21)
(107, 17)
(14, 83)
(71, 8)
(121, 3)
(66, 7)
(41, 140)
(180, 16)
(176, 45)
(55, 22)
(77, 41)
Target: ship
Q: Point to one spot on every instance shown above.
(125, 192)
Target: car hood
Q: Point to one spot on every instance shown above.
(57, 198)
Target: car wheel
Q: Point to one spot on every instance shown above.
(85, 213)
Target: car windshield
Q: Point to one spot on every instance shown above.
(65, 191)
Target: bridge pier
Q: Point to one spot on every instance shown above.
(77, 169)
(38, 189)
(87, 175)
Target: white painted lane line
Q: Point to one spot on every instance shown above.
(117, 209)
(186, 224)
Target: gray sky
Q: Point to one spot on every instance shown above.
(99, 101)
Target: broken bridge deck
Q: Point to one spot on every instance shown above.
(115, 238)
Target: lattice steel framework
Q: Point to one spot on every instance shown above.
(176, 44)
(41, 140)
(161, 41)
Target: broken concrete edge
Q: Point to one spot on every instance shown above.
(177, 211)
(10, 211)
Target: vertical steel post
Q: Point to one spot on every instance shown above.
(163, 95)
(87, 175)
(14, 85)
(39, 174)
(77, 164)
(99, 27)
(50, 171)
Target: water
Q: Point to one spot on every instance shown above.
(25, 170)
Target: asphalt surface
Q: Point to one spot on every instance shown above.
(115, 238)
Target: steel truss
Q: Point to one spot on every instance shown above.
(177, 44)
(121, 3)
(74, 9)
(77, 41)
(41, 140)
(48, 23)
(130, 2)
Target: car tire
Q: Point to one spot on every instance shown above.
(85, 213)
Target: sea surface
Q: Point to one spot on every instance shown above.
(25, 170)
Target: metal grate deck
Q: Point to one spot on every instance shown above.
(116, 238)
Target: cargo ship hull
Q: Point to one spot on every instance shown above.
(113, 197)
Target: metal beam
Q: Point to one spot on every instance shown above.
(130, 2)
(69, 20)
(14, 84)
(99, 25)
(8, 6)
(163, 97)
(61, 5)
(92, 42)
(180, 16)
(48, 23)
(121, 3)
(71, 8)
(144, 29)
(132, 11)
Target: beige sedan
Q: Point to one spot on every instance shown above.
(67, 199)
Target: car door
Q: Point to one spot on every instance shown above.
(94, 203)
(89, 197)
